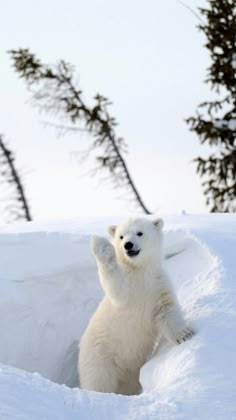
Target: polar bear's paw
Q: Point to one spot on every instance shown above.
(102, 249)
(184, 335)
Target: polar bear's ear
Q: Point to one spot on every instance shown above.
(112, 230)
(158, 223)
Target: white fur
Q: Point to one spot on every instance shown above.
(139, 306)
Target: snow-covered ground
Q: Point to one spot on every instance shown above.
(48, 290)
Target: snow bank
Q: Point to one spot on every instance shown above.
(48, 291)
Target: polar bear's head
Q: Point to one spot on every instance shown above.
(138, 241)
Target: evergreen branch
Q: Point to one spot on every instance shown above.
(217, 125)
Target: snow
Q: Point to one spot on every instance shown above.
(48, 291)
(226, 124)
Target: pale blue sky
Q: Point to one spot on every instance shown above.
(148, 58)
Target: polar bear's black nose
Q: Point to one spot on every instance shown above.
(128, 245)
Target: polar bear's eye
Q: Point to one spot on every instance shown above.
(121, 237)
(140, 234)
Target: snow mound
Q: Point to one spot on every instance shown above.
(49, 289)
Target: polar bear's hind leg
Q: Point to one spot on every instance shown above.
(101, 379)
(132, 386)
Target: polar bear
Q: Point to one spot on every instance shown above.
(138, 308)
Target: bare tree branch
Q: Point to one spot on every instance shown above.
(19, 208)
(191, 10)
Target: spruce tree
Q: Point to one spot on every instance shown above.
(56, 90)
(215, 120)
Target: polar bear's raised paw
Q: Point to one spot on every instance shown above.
(102, 249)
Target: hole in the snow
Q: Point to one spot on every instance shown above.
(51, 291)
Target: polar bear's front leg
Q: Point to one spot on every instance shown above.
(169, 318)
(109, 271)
(174, 327)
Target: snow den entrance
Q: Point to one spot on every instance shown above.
(50, 289)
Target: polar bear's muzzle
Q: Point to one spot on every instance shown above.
(130, 251)
(133, 253)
